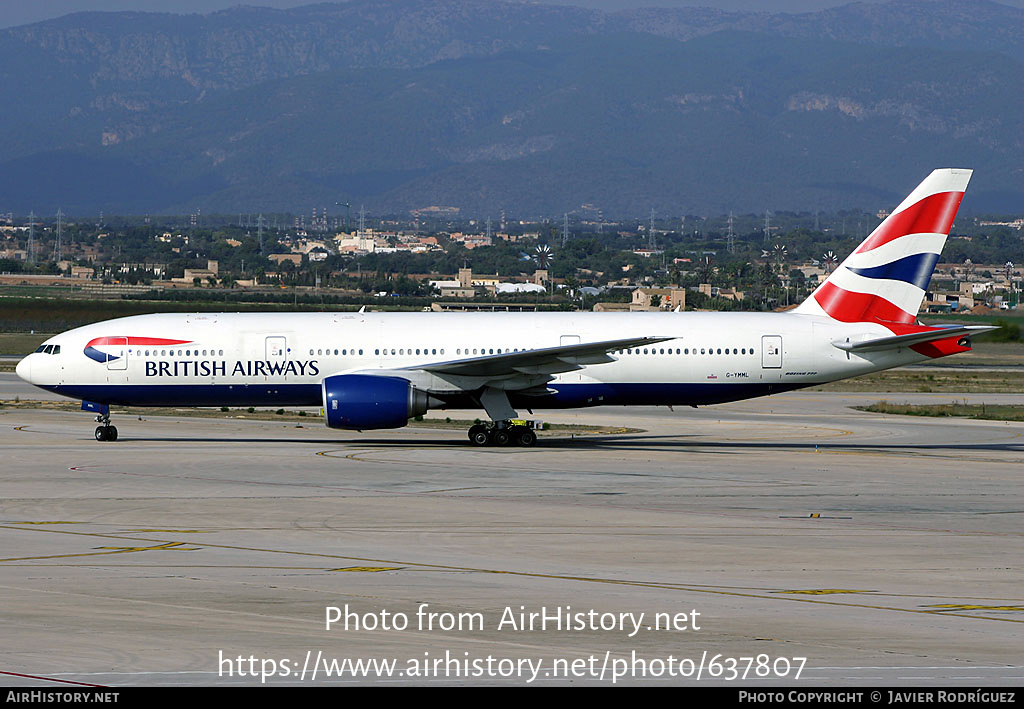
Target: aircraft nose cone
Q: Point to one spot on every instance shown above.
(24, 369)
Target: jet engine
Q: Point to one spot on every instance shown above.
(360, 401)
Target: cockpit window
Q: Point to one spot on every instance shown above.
(41, 348)
(56, 349)
(48, 349)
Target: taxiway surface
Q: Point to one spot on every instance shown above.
(884, 549)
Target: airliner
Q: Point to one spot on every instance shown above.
(378, 370)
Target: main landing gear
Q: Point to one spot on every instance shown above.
(105, 432)
(506, 432)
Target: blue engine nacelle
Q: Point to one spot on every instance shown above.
(361, 401)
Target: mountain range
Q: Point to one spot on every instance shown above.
(491, 105)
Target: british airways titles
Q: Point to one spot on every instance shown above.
(241, 368)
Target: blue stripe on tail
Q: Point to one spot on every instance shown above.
(915, 269)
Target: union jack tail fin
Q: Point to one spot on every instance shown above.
(885, 278)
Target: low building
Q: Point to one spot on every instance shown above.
(658, 299)
(612, 307)
(281, 258)
(355, 243)
(716, 292)
(444, 284)
(503, 288)
(457, 292)
(947, 301)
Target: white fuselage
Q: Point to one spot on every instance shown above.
(264, 359)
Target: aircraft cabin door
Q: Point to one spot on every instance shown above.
(771, 351)
(117, 353)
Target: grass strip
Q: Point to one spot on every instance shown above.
(988, 412)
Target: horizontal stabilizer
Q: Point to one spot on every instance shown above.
(941, 332)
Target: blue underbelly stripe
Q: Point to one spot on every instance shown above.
(565, 396)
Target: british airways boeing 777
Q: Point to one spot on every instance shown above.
(378, 370)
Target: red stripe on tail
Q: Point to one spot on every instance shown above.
(849, 306)
(932, 215)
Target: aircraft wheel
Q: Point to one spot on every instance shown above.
(101, 433)
(112, 434)
(480, 437)
(500, 437)
(526, 438)
(476, 429)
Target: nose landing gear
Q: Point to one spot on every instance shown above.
(105, 431)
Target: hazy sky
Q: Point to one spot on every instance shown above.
(20, 12)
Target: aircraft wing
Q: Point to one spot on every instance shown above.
(940, 332)
(549, 360)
